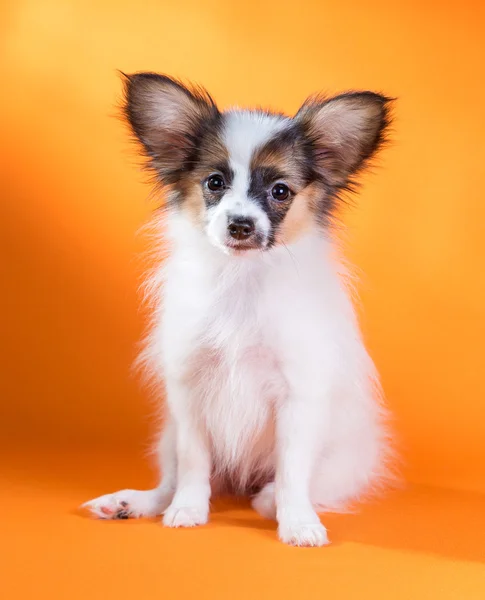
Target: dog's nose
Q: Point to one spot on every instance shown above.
(241, 228)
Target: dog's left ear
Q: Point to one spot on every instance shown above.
(345, 132)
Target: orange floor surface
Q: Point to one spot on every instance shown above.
(419, 543)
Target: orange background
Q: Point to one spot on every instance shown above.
(72, 201)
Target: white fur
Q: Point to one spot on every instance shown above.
(265, 373)
(245, 130)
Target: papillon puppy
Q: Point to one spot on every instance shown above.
(269, 390)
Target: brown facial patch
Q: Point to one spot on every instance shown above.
(301, 216)
(212, 157)
(192, 201)
(287, 156)
(285, 159)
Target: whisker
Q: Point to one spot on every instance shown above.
(292, 258)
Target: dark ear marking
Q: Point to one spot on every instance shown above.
(345, 131)
(168, 119)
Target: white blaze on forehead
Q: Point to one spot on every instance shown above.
(244, 133)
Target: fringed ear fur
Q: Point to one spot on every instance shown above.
(168, 119)
(345, 131)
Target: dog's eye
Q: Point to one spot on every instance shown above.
(280, 192)
(215, 183)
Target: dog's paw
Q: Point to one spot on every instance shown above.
(185, 516)
(127, 504)
(303, 535)
(301, 527)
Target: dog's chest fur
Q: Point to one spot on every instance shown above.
(235, 374)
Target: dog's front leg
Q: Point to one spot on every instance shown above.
(301, 421)
(190, 504)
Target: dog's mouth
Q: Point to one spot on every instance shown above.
(257, 242)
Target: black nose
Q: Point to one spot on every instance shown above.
(241, 228)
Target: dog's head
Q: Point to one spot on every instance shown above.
(253, 179)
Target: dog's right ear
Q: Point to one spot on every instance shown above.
(167, 118)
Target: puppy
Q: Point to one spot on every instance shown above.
(255, 344)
